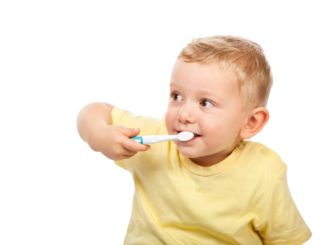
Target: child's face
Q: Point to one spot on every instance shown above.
(205, 100)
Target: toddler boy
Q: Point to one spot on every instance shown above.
(217, 188)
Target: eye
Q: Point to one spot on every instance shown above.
(207, 103)
(176, 96)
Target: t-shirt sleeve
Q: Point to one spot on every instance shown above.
(147, 125)
(283, 222)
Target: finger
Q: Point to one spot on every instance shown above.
(119, 154)
(123, 157)
(129, 132)
(134, 146)
(128, 153)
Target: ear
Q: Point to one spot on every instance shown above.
(255, 122)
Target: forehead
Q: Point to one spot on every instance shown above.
(211, 77)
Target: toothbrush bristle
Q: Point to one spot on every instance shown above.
(185, 136)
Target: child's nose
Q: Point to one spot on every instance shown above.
(186, 114)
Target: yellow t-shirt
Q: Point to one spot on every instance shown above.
(242, 200)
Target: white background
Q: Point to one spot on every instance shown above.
(56, 56)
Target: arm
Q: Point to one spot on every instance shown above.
(94, 127)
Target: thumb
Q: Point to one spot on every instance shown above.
(130, 132)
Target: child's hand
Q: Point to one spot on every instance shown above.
(115, 142)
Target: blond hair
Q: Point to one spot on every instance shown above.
(242, 56)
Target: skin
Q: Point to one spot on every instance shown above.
(204, 99)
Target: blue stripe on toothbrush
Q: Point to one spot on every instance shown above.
(139, 139)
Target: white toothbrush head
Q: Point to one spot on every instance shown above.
(185, 136)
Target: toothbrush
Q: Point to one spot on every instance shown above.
(151, 139)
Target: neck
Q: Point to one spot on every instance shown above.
(207, 161)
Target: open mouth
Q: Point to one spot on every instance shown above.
(195, 134)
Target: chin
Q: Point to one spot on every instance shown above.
(188, 152)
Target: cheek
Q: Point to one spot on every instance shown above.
(209, 124)
(217, 129)
(169, 120)
(229, 131)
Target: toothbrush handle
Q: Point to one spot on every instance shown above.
(151, 139)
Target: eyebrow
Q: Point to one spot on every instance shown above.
(202, 92)
(173, 85)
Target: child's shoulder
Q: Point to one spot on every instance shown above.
(258, 148)
(261, 156)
